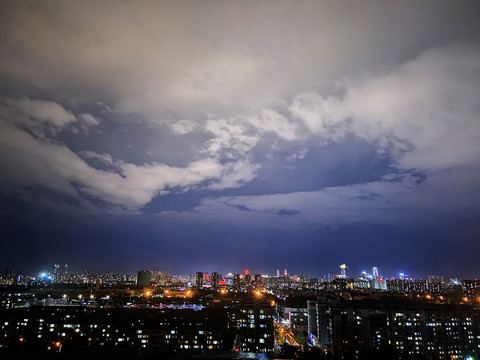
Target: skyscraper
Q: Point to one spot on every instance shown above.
(215, 279)
(237, 282)
(199, 279)
(375, 272)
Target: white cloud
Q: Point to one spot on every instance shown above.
(183, 58)
(183, 127)
(236, 174)
(424, 112)
(31, 162)
(89, 119)
(37, 113)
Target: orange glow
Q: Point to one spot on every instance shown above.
(148, 293)
(272, 303)
(222, 291)
(258, 292)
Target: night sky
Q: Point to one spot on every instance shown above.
(221, 135)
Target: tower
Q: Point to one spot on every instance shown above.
(56, 270)
(343, 271)
(375, 272)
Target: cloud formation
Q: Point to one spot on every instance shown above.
(238, 106)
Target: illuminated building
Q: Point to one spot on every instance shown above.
(56, 273)
(247, 280)
(206, 277)
(215, 279)
(471, 288)
(436, 278)
(378, 284)
(410, 329)
(258, 281)
(375, 272)
(255, 326)
(96, 328)
(237, 282)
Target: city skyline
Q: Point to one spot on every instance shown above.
(198, 136)
(52, 273)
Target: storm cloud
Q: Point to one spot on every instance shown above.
(269, 117)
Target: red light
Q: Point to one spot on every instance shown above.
(246, 271)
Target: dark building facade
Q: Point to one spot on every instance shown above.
(81, 327)
(144, 277)
(199, 280)
(255, 326)
(354, 329)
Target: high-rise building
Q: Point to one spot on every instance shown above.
(56, 272)
(255, 326)
(375, 272)
(258, 281)
(247, 280)
(343, 271)
(215, 279)
(237, 285)
(199, 279)
(144, 277)
(65, 272)
(436, 278)
(206, 277)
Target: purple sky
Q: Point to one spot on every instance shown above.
(220, 135)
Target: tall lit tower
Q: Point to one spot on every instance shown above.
(343, 271)
(65, 272)
(375, 272)
(56, 270)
